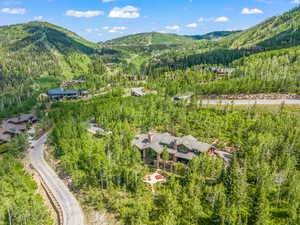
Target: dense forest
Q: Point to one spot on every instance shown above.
(30, 52)
(33, 50)
(20, 203)
(274, 71)
(261, 185)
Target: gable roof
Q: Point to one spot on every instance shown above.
(22, 118)
(9, 128)
(161, 141)
(138, 91)
(193, 144)
(61, 91)
(56, 91)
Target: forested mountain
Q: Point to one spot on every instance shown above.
(153, 38)
(41, 48)
(152, 44)
(29, 51)
(277, 32)
(213, 35)
(259, 186)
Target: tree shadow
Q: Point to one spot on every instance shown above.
(285, 39)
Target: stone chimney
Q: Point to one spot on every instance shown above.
(150, 137)
(175, 144)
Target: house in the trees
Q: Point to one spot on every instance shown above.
(138, 92)
(94, 129)
(179, 149)
(14, 126)
(222, 71)
(12, 129)
(23, 118)
(59, 93)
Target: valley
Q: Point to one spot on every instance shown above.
(214, 118)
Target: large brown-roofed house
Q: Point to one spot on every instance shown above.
(14, 126)
(23, 118)
(181, 149)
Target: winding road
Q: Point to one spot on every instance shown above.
(251, 102)
(72, 213)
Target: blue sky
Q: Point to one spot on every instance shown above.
(98, 20)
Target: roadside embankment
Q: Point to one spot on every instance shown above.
(251, 96)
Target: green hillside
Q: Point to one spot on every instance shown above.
(136, 50)
(277, 32)
(148, 39)
(214, 35)
(29, 51)
(41, 48)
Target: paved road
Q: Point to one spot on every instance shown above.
(72, 212)
(252, 102)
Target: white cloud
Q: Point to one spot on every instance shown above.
(175, 27)
(192, 25)
(88, 30)
(11, 2)
(296, 1)
(117, 29)
(129, 12)
(105, 28)
(19, 11)
(222, 19)
(201, 19)
(247, 11)
(39, 18)
(106, 1)
(86, 14)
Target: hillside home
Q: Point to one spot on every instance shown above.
(221, 71)
(23, 118)
(4, 138)
(59, 93)
(14, 126)
(138, 92)
(94, 129)
(180, 149)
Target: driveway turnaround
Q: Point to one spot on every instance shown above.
(252, 102)
(72, 213)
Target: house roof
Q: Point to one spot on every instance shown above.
(161, 141)
(56, 91)
(61, 91)
(193, 144)
(138, 91)
(224, 155)
(22, 118)
(166, 139)
(72, 92)
(10, 128)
